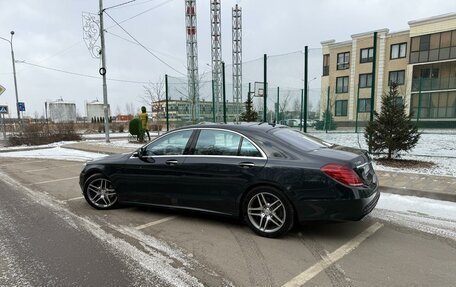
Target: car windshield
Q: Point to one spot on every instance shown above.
(300, 140)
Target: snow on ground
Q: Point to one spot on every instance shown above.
(21, 147)
(118, 143)
(437, 147)
(427, 215)
(55, 153)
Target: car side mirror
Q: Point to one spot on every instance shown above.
(140, 152)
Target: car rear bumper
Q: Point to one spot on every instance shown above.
(337, 209)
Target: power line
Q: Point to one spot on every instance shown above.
(144, 47)
(118, 5)
(82, 75)
(139, 14)
(136, 4)
(133, 42)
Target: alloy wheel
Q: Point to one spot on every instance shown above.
(266, 212)
(101, 193)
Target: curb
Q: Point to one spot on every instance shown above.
(419, 193)
(26, 149)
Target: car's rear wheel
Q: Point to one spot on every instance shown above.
(100, 192)
(267, 212)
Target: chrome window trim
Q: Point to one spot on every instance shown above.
(362, 165)
(263, 154)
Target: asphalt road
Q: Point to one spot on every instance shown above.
(51, 237)
(39, 247)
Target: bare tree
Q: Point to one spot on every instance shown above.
(118, 112)
(129, 109)
(284, 102)
(154, 95)
(296, 107)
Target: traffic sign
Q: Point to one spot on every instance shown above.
(2, 89)
(3, 109)
(21, 106)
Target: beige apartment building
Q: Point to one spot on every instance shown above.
(421, 60)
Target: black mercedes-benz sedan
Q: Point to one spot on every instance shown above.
(269, 175)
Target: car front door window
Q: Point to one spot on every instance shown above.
(172, 144)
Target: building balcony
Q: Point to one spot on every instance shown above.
(433, 84)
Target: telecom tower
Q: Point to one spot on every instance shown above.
(192, 58)
(237, 57)
(216, 48)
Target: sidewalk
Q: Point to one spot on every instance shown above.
(430, 186)
(92, 147)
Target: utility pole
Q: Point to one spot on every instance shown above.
(103, 74)
(14, 75)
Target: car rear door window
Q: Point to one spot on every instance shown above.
(172, 144)
(248, 149)
(217, 142)
(300, 140)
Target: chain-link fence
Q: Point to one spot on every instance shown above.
(332, 100)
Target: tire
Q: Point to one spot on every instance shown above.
(267, 212)
(99, 192)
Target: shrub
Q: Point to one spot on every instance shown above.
(38, 134)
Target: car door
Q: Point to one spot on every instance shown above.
(153, 176)
(221, 165)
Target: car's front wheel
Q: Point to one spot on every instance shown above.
(100, 192)
(267, 212)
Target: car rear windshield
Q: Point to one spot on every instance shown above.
(300, 140)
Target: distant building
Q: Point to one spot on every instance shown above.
(180, 111)
(62, 112)
(95, 109)
(421, 60)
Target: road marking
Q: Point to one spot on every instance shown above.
(22, 162)
(74, 198)
(154, 222)
(331, 258)
(55, 180)
(47, 168)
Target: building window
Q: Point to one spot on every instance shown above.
(364, 105)
(365, 80)
(433, 47)
(342, 84)
(325, 64)
(367, 55)
(434, 105)
(397, 77)
(341, 108)
(343, 61)
(398, 51)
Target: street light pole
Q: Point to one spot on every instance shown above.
(103, 73)
(14, 75)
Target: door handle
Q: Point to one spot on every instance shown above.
(172, 162)
(246, 164)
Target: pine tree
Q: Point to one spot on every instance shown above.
(392, 130)
(250, 115)
(327, 123)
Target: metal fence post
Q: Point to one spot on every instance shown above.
(306, 85)
(278, 106)
(167, 104)
(224, 93)
(265, 87)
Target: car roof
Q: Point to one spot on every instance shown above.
(239, 126)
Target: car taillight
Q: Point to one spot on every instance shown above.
(342, 173)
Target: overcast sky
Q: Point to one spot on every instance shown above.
(49, 33)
